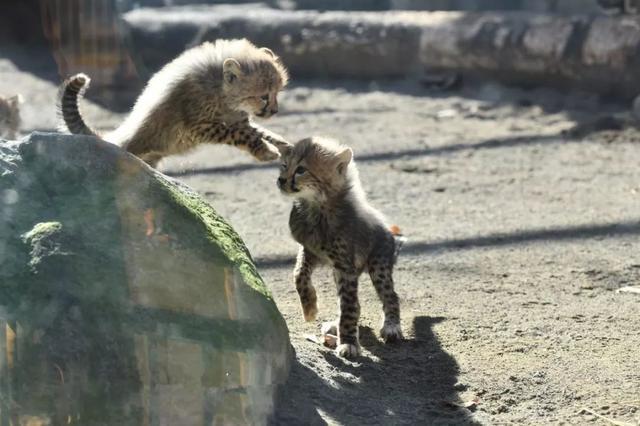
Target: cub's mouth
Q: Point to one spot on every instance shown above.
(267, 111)
(289, 192)
(264, 114)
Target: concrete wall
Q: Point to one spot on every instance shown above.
(548, 6)
(596, 53)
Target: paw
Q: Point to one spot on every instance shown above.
(267, 153)
(310, 311)
(391, 332)
(348, 350)
(283, 147)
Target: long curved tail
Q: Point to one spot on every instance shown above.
(70, 94)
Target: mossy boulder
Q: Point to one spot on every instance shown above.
(124, 296)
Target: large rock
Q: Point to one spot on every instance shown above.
(598, 53)
(124, 297)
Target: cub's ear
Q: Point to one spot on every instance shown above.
(343, 159)
(231, 70)
(284, 147)
(268, 52)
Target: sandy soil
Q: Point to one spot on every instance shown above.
(519, 236)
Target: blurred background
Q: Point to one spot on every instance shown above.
(120, 43)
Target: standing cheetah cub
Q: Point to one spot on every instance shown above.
(334, 224)
(205, 95)
(10, 116)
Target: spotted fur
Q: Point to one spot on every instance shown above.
(334, 224)
(206, 95)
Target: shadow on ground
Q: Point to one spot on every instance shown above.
(393, 155)
(358, 394)
(497, 239)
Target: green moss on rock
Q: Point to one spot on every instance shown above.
(101, 255)
(220, 233)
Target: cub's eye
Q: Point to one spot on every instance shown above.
(300, 170)
(283, 166)
(264, 98)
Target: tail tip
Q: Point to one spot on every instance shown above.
(81, 78)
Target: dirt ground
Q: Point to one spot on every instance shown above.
(520, 233)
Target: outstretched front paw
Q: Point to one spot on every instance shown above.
(348, 350)
(267, 152)
(391, 332)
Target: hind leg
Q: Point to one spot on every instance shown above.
(381, 273)
(151, 158)
(347, 285)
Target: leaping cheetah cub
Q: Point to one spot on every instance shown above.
(334, 224)
(205, 95)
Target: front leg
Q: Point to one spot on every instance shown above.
(272, 137)
(305, 264)
(347, 285)
(260, 142)
(242, 134)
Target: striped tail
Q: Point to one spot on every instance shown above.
(71, 92)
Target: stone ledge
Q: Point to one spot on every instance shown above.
(598, 53)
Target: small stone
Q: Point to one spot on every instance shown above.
(446, 113)
(460, 387)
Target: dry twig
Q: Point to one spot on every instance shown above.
(606, 419)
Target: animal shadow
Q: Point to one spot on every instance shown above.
(404, 383)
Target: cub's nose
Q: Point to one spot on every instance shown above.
(281, 182)
(274, 110)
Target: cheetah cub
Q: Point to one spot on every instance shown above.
(334, 224)
(10, 116)
(206, 95)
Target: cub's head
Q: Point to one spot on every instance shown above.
(314, 168)
(252, 80)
